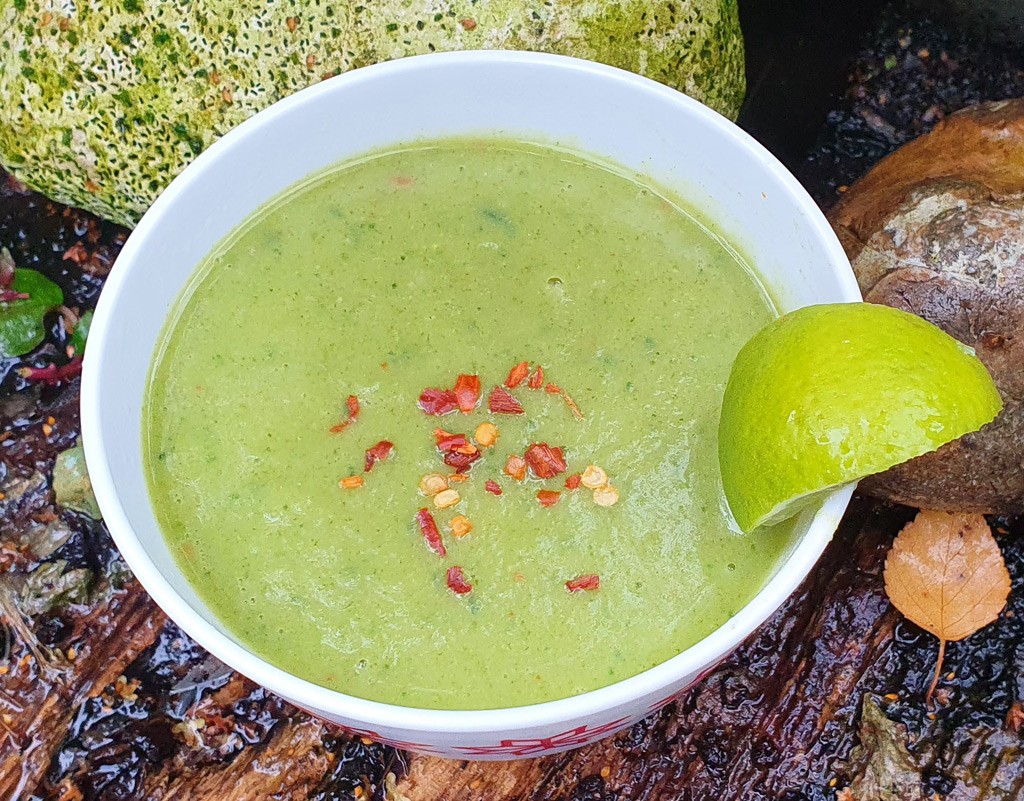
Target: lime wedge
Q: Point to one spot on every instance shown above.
(827, 395)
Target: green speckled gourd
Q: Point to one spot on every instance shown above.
(103, 102)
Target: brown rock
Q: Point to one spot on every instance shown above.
(937, 229)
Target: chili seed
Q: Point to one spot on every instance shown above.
(486, 434)
(594, 477)
(606, 496)
(460, 526)
(446, 498)
(433, 483)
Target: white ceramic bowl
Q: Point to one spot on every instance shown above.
(636, 122)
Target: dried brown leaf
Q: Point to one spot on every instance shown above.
(946, 573)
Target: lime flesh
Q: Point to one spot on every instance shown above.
(826, 395)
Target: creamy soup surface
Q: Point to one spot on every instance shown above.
(396, 274)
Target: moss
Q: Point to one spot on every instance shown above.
(694, 46)
(102, 107)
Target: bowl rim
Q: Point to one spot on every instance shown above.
(653, 682)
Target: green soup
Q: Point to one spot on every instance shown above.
(397, 273)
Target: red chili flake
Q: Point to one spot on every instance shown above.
(461, 462)
(352, 403)
(515, 466)
(468, 24)
(438, 401)
(554, 389)
(501, 402)
(573, 481)
(446, 441)
(545, 461)
(492, 486)
(537, 379)
(467, 392)
(9, 295)
(588, 581)
(378, 453)
(53, 374)
(431, 535)
(517, 374)
(457, 581)
(548, 497)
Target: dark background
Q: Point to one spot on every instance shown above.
(798, 52)
(833, 87)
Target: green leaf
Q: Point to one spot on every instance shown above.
(81, 334)
(21, 321)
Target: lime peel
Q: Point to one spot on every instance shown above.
(826, 395)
